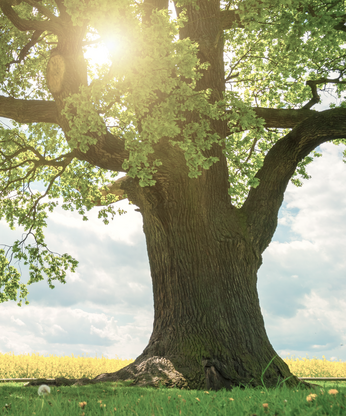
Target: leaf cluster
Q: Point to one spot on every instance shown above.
(33, 157)
(141, 114)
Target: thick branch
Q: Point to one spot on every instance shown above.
(108, 153)
(280, 117)
(62, 9)
(27, 47)
(315, 97)
(150, 5)
(263, 203)
(25, 25)
(43, 10)
(230, 19)
(28, 111)
(341, 26)
(114, 189)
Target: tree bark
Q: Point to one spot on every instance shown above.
(208, 330)
(207, 319)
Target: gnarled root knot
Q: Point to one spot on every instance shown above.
(150, 372)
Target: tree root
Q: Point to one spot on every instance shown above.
(152, 372)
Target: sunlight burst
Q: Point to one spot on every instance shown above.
(105, 51)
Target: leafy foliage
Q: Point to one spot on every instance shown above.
(277, 53)
(283, 44)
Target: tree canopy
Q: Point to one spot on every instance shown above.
(155, 103)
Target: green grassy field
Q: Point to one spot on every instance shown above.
(118, 399)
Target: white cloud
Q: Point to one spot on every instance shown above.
(125, 227)
(17, 321)
(63, 331)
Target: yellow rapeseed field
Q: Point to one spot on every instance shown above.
(316, 368)
(36, 366)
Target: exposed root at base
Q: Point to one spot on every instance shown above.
(147, 372)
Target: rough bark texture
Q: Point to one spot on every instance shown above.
(208, 328)
(204, 254)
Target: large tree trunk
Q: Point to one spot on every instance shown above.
(208, 328)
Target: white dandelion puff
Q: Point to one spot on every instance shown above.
(43, 390)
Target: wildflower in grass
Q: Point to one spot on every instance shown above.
(312, 396)
(82, 404)
(43, 390)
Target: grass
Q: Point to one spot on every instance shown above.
(118, 399)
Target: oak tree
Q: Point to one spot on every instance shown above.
(210, 115)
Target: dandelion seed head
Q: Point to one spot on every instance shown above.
(43, 390)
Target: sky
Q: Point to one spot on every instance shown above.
(106, 307)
